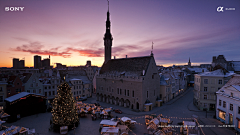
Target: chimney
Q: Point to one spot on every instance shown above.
(214, 59)
(126, 56)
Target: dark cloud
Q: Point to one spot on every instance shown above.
(88, 52)
(37, 48)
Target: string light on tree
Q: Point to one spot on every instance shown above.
(64, 111)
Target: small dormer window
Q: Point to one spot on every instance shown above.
(231, 94)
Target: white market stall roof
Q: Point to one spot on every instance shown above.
(108, 122)
(1, 122)
(148, 104)
(155, 121)
(19, 95)
(124, 119)
(189, 123)
(110, 130)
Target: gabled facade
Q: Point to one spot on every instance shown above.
(14, 86)
(128, 82)
(228, 103)
(32, 84)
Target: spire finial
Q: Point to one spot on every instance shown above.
(152, 47)
(108, 5)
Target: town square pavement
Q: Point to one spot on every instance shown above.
(179, 109)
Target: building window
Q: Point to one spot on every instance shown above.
(9, 91)
(205, 88)
(127, 92)
(53, 87)
(205, 81)
(204, 96)
(224, 104)
(231, 94)
(160, 96)
(133, 93)
(221, 115)
(231, 107)
(117, 90)
(34, 91)
(112, 90)
(205, 105)
(17, 83)
(220, 102)
(40, 91)
(18, 90)
(53, 92)
(49, 93)
(107, 89)
(1, 98)
(238, 124)
(46, 94)
(28, 91)
(147, 94)
(152, 76)
(219, 81)
(45, 87)
(31, 85)
(238, 110)
(49, 87)
(79, 92)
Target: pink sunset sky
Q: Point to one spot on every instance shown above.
(72, 31)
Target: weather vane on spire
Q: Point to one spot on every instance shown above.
(152, 47)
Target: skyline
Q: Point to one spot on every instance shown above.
(72, 31)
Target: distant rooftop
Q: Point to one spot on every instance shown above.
(218, 72)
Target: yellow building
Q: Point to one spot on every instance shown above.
(206, 85)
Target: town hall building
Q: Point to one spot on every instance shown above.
(129, 82)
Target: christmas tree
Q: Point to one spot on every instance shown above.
(64, 111)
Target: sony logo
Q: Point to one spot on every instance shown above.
(14, 8)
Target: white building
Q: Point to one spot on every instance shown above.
(228, 103)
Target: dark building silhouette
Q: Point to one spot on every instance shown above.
(37, 61)
(189, 63)
(220, 60)
(60, 66)
(18, 64)
(108, 39)
(88, 63)
(46, 63)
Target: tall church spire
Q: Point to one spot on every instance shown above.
(189, 63)
(108, 38)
